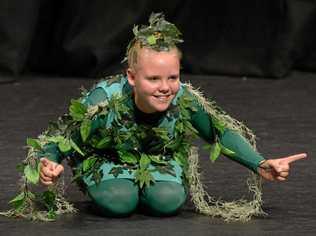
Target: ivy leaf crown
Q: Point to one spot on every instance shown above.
(159, 35)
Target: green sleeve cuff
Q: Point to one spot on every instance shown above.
(51, 152)
(243, 151)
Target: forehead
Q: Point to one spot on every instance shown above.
(149, 59)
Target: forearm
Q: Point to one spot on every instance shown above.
(243, 152)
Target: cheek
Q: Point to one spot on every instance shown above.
(175, 87)
(146, 88)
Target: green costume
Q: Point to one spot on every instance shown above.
(116, 194)
(124, 158)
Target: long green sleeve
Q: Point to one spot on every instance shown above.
(243, 151)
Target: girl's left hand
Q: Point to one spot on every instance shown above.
(278, 169)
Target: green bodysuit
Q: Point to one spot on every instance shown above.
(116, 193)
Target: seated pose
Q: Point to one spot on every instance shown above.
(129, 139)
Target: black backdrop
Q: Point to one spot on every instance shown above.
(264, 38)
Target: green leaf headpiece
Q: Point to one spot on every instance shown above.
(159, 35)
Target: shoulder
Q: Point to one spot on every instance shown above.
(112, 84)
(106, 88)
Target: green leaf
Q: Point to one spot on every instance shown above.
(180, 158)
(227, 151)
(32, 174)
(88, 163)
(157, 159)
(33, 143)
(144, 161)
(55, 139)
(77, 110)
(219, 125)
(103, 143)
(151, 40)
(143, 177)
(127, 157)
(64, 145)
(85, 129)
(75, 146)
(215, 151)
(17, 200)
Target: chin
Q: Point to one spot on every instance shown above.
(161, 108)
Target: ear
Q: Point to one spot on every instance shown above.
(131, 77)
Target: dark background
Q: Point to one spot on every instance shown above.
(262, 38)
(233, 50)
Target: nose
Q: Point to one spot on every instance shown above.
(164, 86)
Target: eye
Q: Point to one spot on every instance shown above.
(153, 78)
(174, 77)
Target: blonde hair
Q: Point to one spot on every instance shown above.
(136, 46)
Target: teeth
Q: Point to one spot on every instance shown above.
(163, 97)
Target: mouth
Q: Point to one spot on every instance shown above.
(163, 98)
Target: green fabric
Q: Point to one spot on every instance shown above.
(163, 198)
(244, 153)
(115, 197)
(202, 123)
(176, 176)
(120, 197)
(51, 152)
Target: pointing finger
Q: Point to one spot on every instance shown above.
(293, 158)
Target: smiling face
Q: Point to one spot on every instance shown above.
(155, 79)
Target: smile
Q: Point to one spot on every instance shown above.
(163, 98)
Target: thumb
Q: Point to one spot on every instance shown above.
(58, 170)
(44, 161)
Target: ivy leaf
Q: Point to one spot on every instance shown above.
(103, 143)
(64, 145)
(32, 174)
(180, 158)
(219, 125)
(75, 146)
(157, 159)
(18, 201)
(144, 161)
(215, 151)
(127, 157)
(88, 163)
(227, 151)
(55, 139)
(151, 40)
(85, 129)
(33, 143)
(77, 110)
(143, 177)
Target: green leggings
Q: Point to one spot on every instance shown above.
(121, 197)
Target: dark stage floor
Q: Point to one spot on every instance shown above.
(281, 112)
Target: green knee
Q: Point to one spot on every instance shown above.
(115, 197)
(163, 198)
